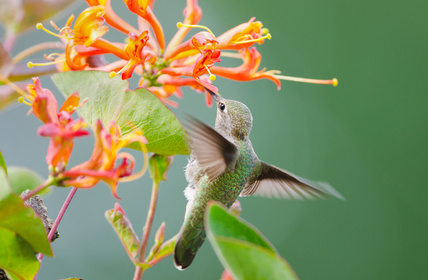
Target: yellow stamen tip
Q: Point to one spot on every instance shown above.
(112, 74)
(30, 64)
(335, 82)
(21, 99)
(179, 24)
(269, 36)
(39, 26)
(265, 31)
(212, 77)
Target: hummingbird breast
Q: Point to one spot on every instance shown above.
(227, 187)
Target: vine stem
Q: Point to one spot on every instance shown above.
(146, 230)
(45, 184)
(58, 219)
(9, 40)
(37, 48)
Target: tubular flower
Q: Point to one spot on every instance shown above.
(143, 9)
(200, 43)
(62, 136)
(102, 164)
(134, 49)
(243, 36)
(42, 102)
(59, 126)
(180, 59)
(192, 15)
(112, 18)
(89, 26)
(248, 70)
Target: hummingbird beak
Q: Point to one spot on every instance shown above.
(213, 94)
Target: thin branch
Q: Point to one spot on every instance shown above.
(146, 230)
(37, 48)
(58, 219)
(49, 182)
(9, 40)
(21, 72)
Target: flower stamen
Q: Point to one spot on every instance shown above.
(22, 100)
(180, 25)
(114, 73)
(267, 36)
(333, 82)
(31, 64)
(212, 77)
(40, 26)
(6, 81)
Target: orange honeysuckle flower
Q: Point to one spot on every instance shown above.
(243, 36)
(192, 15)
(143, 9)
(89, 26)
(171, 83)
(88, 30)
(166, 91)
(199, 42)
(59, 126)
(62, 136)
(102, 164)
(42, 102)
(134, 49)
(79, 57)
(248, 70)
(112, 18)
(201, 66)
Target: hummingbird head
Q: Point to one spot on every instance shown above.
(233, 118)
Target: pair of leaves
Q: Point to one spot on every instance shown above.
(123, 228)
(122, 225)
(21, 231)
(109, 99)
(242, 249)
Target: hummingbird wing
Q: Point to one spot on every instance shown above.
(213, 152)
(274, 182)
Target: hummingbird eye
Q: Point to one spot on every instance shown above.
(222, 106)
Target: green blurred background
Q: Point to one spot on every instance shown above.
(367, 137)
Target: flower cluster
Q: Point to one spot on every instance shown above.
(60, 127)
(163, 67)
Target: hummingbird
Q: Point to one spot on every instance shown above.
(224, 166)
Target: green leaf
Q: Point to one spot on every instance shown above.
(4, 183)
(158, 167)
(224, 224)
(110, 99)
(20, 219)
(21, 179)
(242, 249)
(166, 249)
(3, 163)
(123, 228)
(16, 255)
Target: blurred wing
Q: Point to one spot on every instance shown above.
(277, 183)
(213, 152)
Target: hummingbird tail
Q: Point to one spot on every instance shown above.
(186, 248)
